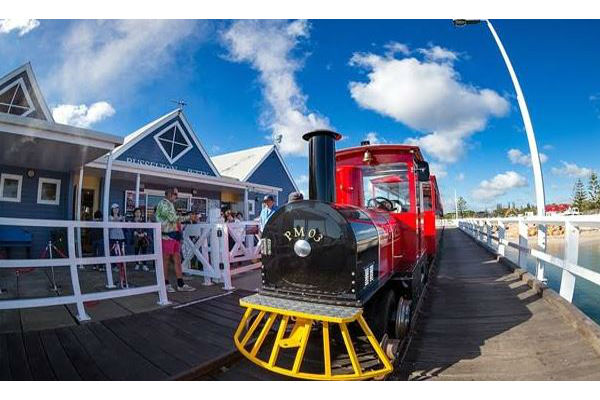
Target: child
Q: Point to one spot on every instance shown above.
(141, 240)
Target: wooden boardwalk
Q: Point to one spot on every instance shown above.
(481, 322)
(155, 345)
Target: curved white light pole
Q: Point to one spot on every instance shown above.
(540, 196)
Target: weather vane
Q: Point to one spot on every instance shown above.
(180, 103)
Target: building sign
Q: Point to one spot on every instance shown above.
(160, 165)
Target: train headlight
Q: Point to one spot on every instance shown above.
(302, 248)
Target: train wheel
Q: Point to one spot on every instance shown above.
(381, 313)
(402, 318)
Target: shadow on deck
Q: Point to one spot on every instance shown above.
(482, 322)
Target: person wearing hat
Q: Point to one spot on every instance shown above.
(295, 196)
(268, 209)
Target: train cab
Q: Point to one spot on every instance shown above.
(393, 180)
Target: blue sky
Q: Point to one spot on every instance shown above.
(397, 80)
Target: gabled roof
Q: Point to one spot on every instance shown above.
(242, 164)
(141, 133)
(35, 88)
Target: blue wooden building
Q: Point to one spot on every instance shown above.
(40, 161)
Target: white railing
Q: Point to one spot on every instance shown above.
(482, 230)
(217, 246)
(72, 260)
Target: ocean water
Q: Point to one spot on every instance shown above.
(587, 294)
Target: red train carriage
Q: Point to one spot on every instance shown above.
(356, 253)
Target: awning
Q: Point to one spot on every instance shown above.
(37, 144)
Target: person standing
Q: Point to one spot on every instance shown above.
(267, 211)
(171, 238)
(141, 240)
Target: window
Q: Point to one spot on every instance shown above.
(48, 191)
(199, 206)
(10, 187)
(386, 182)
(15, 100)
(251, 210)
(427, 199)
(172, 142)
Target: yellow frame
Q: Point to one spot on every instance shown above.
(299, 338)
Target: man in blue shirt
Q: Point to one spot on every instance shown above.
(268, 209)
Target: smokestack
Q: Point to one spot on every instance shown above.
(321, 164)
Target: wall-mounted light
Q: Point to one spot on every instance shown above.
(30, 173)
(194, 192)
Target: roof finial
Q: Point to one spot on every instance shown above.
(180, 104)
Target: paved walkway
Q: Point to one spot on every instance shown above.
(481, 322)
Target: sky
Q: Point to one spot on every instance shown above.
(248, 83)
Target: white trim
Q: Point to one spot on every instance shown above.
(160, 145)
(283, 164)
(135, 137)
(223, 181)
(39, 128)
(34, 85)
(19, 83)
(287, 171)
(18, 178)
(41, 181)
(199, 145)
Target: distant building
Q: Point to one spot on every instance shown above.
(259, 165)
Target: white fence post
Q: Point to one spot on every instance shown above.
(81, 314)
(224, 246)
(501, 238)
(523, 244)
(489, 233)
(567, 282)
(109, 279)
(163, 300)
(541, 232)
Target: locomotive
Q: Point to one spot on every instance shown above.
(347, 264)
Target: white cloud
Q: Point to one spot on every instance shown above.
(374, 138)
(516, 156)
(109, 58)
(437, 169)
(22, 26)
(572, 170)
(499, 185)
(82, 115)
(428, 96)
(396, 47)
(268, 46)
(437, 53)
(460, 177)
(302, 180)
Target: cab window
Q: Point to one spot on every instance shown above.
(385, 187)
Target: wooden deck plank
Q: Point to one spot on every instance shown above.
(138, 367)
(187, 347)
(36, 356)
(214, 334)
(481, 322)
(146, 343)
(84, 364)
(17, 357)
(59, 361)
(5, 374)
